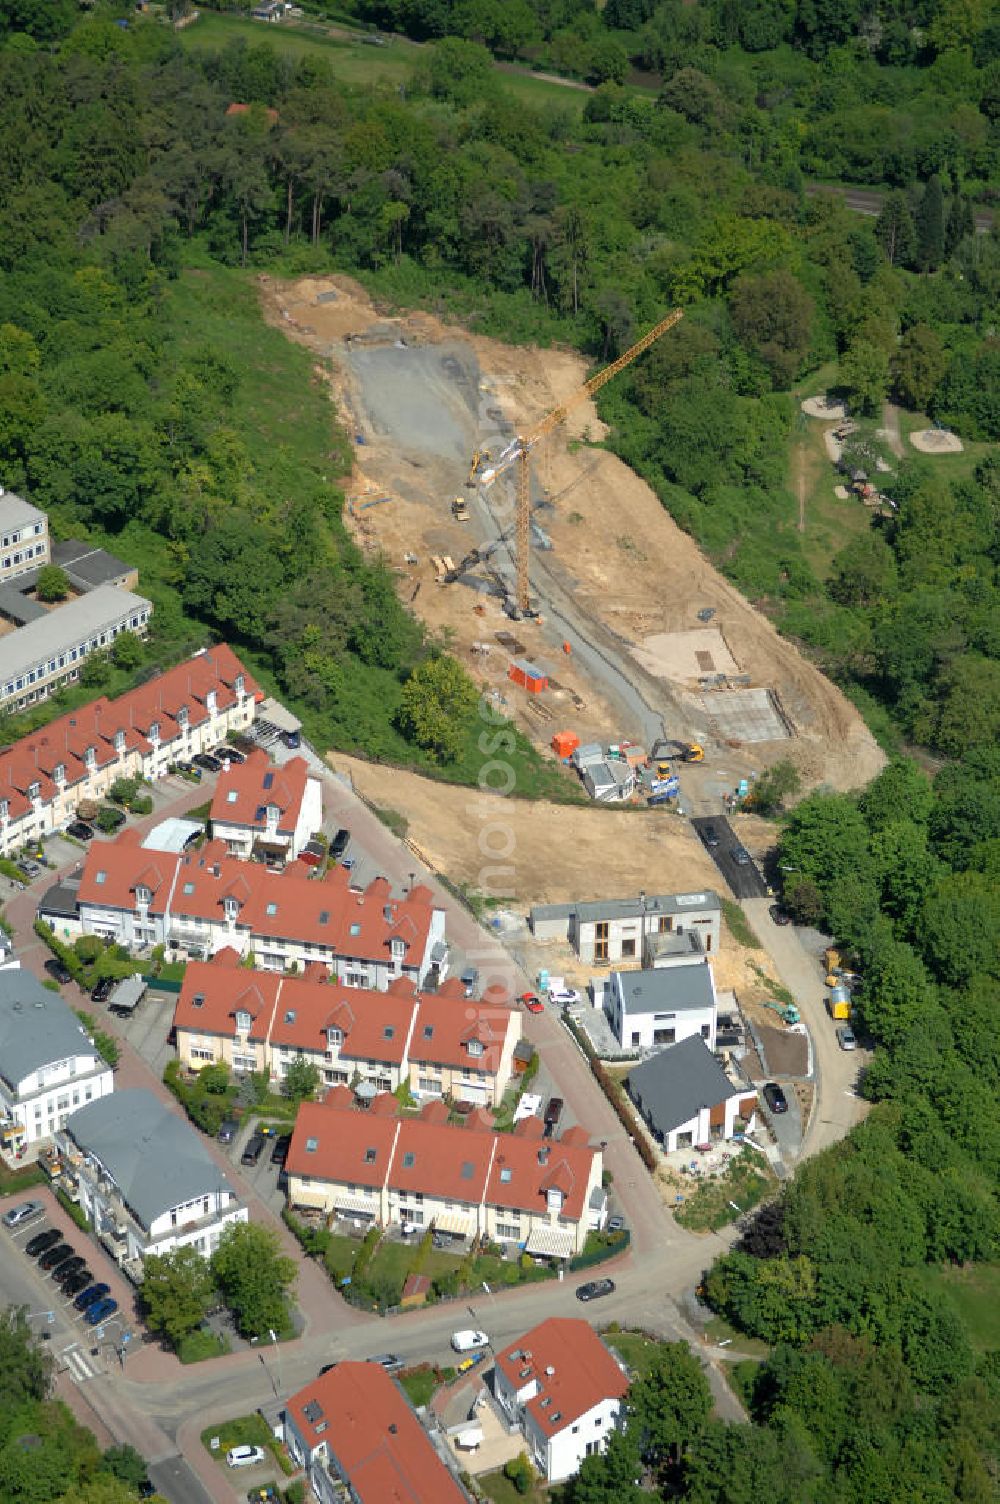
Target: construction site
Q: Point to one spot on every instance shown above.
(547, 566)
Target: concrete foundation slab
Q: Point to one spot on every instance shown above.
(745, 715)
(686, 655)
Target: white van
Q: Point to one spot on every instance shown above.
(245, 1456)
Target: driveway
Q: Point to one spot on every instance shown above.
(744, 879)
(836, 1107)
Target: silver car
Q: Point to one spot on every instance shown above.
(26, 1211)
(846, 1038)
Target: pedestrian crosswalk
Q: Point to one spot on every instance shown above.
(79, 1363)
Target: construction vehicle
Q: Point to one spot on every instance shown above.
(839, 1003)
(518, 451)
(460, 509)
(479, 459)
(693, 752)
(686, 751)
(663, 770)
(787, 1012)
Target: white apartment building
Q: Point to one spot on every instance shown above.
(49, 1065)
(266, 811)
(563, 1389)
(613, 931)
(652, 1009)
(24, 536)
(43, 655)
(144, 1177)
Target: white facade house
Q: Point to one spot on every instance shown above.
(24, 536)
(686, 1098)
(49, 1065)
(49, 652)
(144, 1178)
(613, 931)
(563, 1389)
(651, 1009)
(266, 811)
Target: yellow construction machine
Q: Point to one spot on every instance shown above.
(479, 459)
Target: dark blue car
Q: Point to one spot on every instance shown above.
(100, 1311)
(92, 1293)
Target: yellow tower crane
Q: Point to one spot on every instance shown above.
(518, 452)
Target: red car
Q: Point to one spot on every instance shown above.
(532, 1002)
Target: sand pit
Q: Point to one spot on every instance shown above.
(824, 407)
(936, 441)
(685, 656)
(618, 574)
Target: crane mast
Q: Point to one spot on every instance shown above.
(518, 452)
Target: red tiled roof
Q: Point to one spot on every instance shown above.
(114, 869)
(446, 1026)
(378, 1443)
(212, 994)
(65, 741)
(243, 793)
(583, 1372)
(451, 1163)
(358, 1157)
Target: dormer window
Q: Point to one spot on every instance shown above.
(34, 790)
(240, 685)
(398, 949)
(475, 1047)
(119, 741)
(243, 1021)
(230, 907)
(154, 732)
(183, 718)
(555, 1200)
(142, 894)
(90, 757)
(334, 1037)
(4, 808)
(272, 814)
(211, 702)
(60, 772)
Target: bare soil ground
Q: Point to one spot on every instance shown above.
(626, 564)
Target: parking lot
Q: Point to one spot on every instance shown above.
(77, 1346)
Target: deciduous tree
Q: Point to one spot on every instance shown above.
(178, 1291)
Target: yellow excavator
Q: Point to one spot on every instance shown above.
(479, 459)
(686, 751)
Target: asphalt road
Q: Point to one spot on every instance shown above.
(869, 202)
(745, 880)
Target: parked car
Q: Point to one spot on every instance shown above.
(29, 868)
(553, 1111)
(389, 1361)
(54, 1255)
(69, 1268)
(76, 1283)
(233, 753)
(245, 1456)
(24, 1212)
(80, 831)
(532, 1002)
(468, 1340)
(279, 1151)
(775, 1097)
(710, 836)
(58, 970)
(846, 1038)
(469, 1362)
(100, 1311)
(594, 1289)
(207, 761)
(228, 1131)
(562, 997)
(313, 854)
(616, 1223)
(339, 844)
(740, 856)
(254, 1149)
(41, 1241)
(90, 1296)
(779, 915)
(190, 770)
(105, 987)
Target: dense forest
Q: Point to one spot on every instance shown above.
(144, 402)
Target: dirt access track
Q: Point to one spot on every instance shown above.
(419, 398)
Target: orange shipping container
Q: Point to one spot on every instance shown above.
(531, 678)
(565, 743)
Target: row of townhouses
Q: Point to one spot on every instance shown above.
(543, 1195)
(442, 1044)
(265, 812)
(197, 903)
(189, 709)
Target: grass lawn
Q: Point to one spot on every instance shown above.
(244, 1431)
(392, 1262)
(634, 1349)
(339, 1256)
(714, 1203)
(975, 1290)
(502, 1491)
(719, 1330)
(951, 467)
(419, 1385)
(358, 62)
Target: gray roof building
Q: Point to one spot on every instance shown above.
(155, 1159)
(80, 624)
(88, 566)
(36, 1027)
(673, 1087)
(18, 607)
(670, 990)
(628, 908)
(16, 513)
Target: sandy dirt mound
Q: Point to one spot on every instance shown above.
(556, 852)
(424, 395)
(936, 441)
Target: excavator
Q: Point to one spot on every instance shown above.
(518, 452)
(686, 751)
